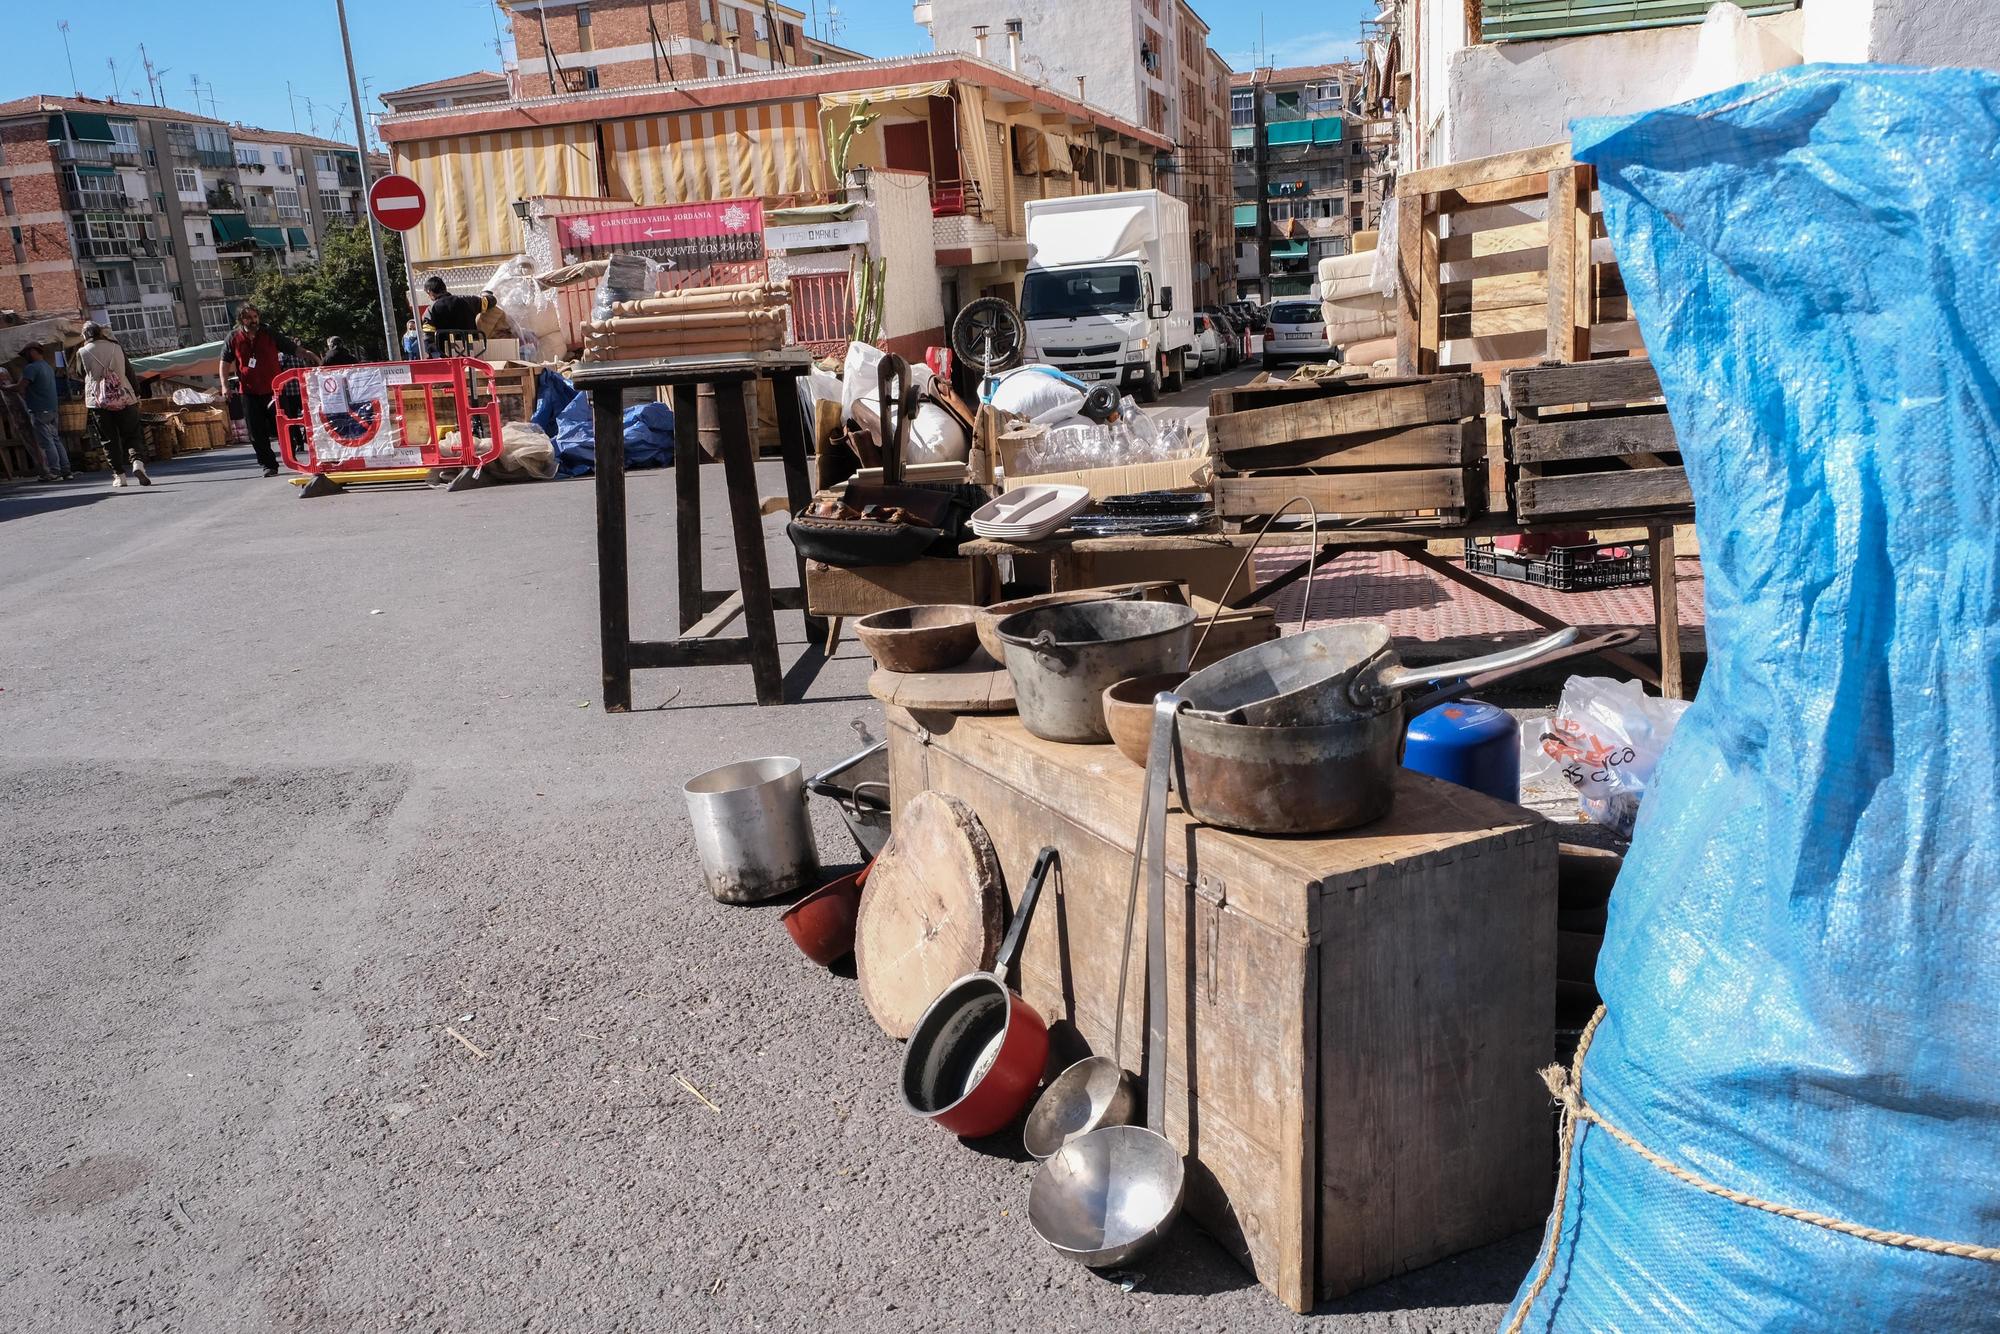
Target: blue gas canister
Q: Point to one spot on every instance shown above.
(1469, 743)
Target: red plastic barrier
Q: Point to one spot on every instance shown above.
(391, 414)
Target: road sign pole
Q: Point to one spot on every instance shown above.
(389, 345)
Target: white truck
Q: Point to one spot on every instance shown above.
(1109, 294)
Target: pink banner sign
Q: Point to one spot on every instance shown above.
(679, 236)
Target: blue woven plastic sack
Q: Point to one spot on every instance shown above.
(1801, 972)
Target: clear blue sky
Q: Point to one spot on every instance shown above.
(245, 51)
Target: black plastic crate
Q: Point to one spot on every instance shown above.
(1566, 569)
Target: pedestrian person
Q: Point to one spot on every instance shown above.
(337, 354)
(448, 319)
(257, 353)
(413, 346)
(113, 404)
(38, 393)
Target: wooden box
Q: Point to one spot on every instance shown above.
(834, 591)
(1355, 1021)
(1401, 449)
(1592, 440)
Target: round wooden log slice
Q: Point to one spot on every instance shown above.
(931, 912)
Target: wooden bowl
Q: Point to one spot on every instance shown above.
(1128, 712)
(919, 639)
(990, 617)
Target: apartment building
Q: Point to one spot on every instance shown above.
(460, 90)
(151, 221)
(1147, 62)
(576, 46)
(1306, 160)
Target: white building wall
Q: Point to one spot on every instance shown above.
(1932, 32)
(1060, 39)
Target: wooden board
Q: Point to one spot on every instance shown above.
(1635, 490)
(980, 685)
(1443, 445)
(1402, 491)
(1607, 380)
(1329, 991)
(1608, 436)
(931, 912)
(832, 590)
(1445, 399)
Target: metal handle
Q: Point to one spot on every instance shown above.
(1166, 705)
(1403, 677)
(1465, 685)
(1305, 605)
(1018, 928)
(853, 802)
(893, 371)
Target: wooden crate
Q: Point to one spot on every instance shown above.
(1398, 449)
(1501, 262)
(834, 591)
(1354, 1021)
(1592, 441)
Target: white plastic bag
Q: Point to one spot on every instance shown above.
(1042, 394)
(1605, 740)
(936, 437)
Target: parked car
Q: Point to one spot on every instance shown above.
(1253, 315)
(1297, 332)
(1230, 332)
(1208, 344)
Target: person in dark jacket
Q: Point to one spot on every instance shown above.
(256, 355)
(337, 354)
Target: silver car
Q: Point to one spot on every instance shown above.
(1297, 332)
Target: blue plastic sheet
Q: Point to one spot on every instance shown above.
(1802, 964)
(649, 437)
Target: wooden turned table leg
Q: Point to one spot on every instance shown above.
(1667, 611)
(614, 606)
(687, 507)
(746, 519)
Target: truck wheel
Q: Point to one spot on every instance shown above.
(1149, 388)
(1176, 379)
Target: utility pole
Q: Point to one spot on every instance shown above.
(389, 344)
(1263, 159)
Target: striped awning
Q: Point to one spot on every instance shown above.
(732, 153)
(876, 97)
(471, 182)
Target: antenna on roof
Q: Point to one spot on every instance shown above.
(114, 77)
(75, 87)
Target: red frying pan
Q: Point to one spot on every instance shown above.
(977, 1054)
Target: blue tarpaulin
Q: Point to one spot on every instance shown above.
(1801, 970)
(649, 437)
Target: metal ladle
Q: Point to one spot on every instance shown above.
(1107, 1198)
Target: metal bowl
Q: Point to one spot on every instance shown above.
(1106, 1199)
(990, 617)
(1094, 1092)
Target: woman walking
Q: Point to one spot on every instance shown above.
(113, 404)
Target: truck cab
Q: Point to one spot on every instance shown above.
(1108, 293)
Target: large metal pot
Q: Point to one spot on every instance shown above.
(1061, 658)
(1326, 776)
(751, 829)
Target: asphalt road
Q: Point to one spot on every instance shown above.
(307, 801)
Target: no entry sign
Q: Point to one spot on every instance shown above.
(397, 202)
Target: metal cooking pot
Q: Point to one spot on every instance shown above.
(1061, 658)
(1322, 777)
(975, 1057)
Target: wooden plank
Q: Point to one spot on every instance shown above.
(713, 624)
(1667, 610)
(1446, 399)
(1606, 380)
(1450, 443)
(1417, 283)
(1569, 275)
(1396, 492)
(1484, 194)
(1480, 170)
(1594, 493)
(1508, 291)
(834, 591)
(1564, 438)
(1494, 241)
(1496, 323)
(614, 598)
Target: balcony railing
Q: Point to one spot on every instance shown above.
(120, 295)
(101, 201)
(119, 248)
(72, 151)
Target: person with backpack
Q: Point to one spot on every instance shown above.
(113, 404)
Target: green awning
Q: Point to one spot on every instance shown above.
(1317, 130)
(1243, 136)
(1246, 215)
(90, 169)
(202, 356)
(297, 236)
(271, 238)
(230, 229)
(90, 128)
(1290, 250)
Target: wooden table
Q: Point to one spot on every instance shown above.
(703, 613)
(1071, 559)
(1354, 1020)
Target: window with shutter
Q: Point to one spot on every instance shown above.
(1537, 20)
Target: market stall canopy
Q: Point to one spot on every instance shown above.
(55, 331)
(462, 174)
(201, 358)
(752, 152)
(878, 99)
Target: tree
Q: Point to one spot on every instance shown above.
(336, 296)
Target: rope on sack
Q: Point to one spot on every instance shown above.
(1567, 1088)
